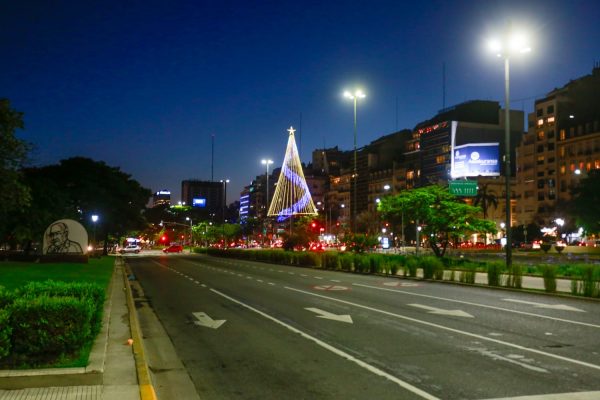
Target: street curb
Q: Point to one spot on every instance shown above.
(93, 374)
(141, 365)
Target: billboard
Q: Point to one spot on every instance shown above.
(475, 159)
(198, 202)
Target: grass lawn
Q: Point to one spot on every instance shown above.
(16, 274)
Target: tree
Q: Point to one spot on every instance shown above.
(485, 198)
(79, 187)
(442, 215)
(586, 197)
(14, 194)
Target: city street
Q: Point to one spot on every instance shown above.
(250, 330)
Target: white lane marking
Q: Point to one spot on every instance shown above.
(318, 277)
(203, 285)
(441, 311)
(334, 350)
(510, 359)
(563, 307)
(291, 273)
(196, 282)
(327, 315)
(249, 277)
(259, 280)
(335, 280)
(557, 396)
(479, 305)
(446, 328)
(304, 275)
(271, 283)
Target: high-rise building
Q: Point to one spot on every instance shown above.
(160, 198)
(205, 195)
(561, 144)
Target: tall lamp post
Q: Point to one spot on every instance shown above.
(358, 94)
(94, 220)
(191, 233)
(511, 44)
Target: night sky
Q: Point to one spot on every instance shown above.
(143, 85)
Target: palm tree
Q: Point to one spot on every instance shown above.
(485, 198)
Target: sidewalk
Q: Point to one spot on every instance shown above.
(112, 373)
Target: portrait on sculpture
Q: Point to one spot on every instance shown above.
(65, 236)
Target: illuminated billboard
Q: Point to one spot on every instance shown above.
(475, 159)
(198, 202)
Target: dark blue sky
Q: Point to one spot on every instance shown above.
(143, 84)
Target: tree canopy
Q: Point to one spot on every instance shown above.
(77, 188)
(14, 194)
(441, 215)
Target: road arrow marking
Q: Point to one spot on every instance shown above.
(327, 315)
(205, 320)
(441, 311)
(563, 307)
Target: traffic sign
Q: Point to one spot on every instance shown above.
(467, 188)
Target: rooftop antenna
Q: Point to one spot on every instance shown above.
(212, 158)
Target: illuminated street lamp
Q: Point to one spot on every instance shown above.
(94, 220)
(358, 94)
(224, 182)
(191, 232)
(511, 44)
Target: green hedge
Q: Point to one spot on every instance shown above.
(5, 333)
(45, 327)
(43, 321)
(89, 291)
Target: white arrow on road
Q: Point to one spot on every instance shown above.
(205, 320)
(327, 315)
(563, 307)
(441, 311)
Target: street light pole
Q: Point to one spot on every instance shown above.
(94, 220)
(191, 233)
(512, 44)
(354, 96)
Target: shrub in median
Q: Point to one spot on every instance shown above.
(412, 263)
(549, 274)
(6, 298)
(515, 276)
(467, 275)
(494, 273)
(46, 327)
(433, 267)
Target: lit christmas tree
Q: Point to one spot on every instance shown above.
(292, 196)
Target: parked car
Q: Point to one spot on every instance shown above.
(174, 248)
(132, 248)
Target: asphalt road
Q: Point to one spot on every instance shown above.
(249, 330)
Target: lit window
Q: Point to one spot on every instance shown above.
(588, 166)
(561, 151)
(550, 120)
(410, 175)
(562, 134)
(540, 160)
(540, 121)
(597, 164)
(540, 135)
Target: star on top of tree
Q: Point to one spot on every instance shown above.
(291, 130)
